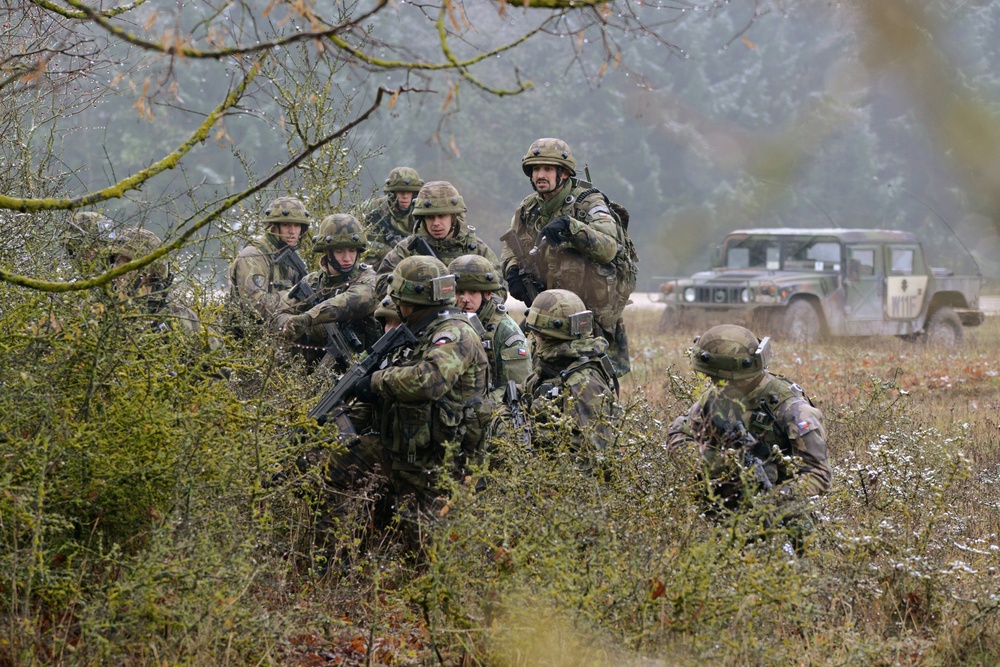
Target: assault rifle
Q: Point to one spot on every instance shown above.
(341, 340)
(512, 398)
(332, 406)
(380, 219)
(736, 434)
(525, 266)
(290, 259)
(420, 245)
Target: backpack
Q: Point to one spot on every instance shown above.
(626, 262)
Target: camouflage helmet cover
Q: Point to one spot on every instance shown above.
(340, 230)
(422, 280)
(136, 242)
(403, 179)
(559, 313)
(729, 352)
(438, 198)
(548, 151)
(286, 209)
(86, 228)
(386, 310)
(475, 273)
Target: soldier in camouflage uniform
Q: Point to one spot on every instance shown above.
(389, 219)
(788, 439)
(344, 289)
(150, 286)
(573, 382)
(476, 281)
(254, 277)
(440, 214)
(86, 236)
(433, 395)
(581, 245)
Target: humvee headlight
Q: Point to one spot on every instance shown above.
(746, 295)
(690, 295)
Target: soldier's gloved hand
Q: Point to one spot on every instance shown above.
(363, 390)
(297, 325)
(556, 231)
(280, 321)
(516, 286)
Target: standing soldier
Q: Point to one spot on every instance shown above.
(573, 377)
(342, 292)
(434, 395)
(260, 272)
(441, 232)
(567, 235)
(752, 425)
(388, 219)
(476, 281)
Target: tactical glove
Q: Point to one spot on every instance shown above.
(556, 231)
(293, 326)
(363, 390)
(516, 286)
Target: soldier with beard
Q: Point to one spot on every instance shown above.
(568, 235)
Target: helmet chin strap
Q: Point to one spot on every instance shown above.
(336, 265)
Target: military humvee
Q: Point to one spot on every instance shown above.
(811, 283)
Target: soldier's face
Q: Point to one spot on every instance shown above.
(403, 200)
(439, 226)
(469, 301)
(344, 257)
(289, 232)
(545, 178)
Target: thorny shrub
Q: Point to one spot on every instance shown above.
(150, 512)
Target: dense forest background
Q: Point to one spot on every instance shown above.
(700, 118)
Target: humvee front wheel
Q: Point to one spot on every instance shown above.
(944, 327)
(801, 322)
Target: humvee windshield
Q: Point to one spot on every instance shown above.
(816, 253)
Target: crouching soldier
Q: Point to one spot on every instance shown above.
(573, 390)
(477, 282)
(330, 313)
(755, 432)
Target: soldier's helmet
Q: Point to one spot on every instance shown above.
(135, 242)
(548, 151)
(422, 281)
(729, 352)
(403, 179)
(340, 230)
(559, 313)
(437, 198)
(475, 273)
(286, 209)
(386, 311)
(86, 230)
